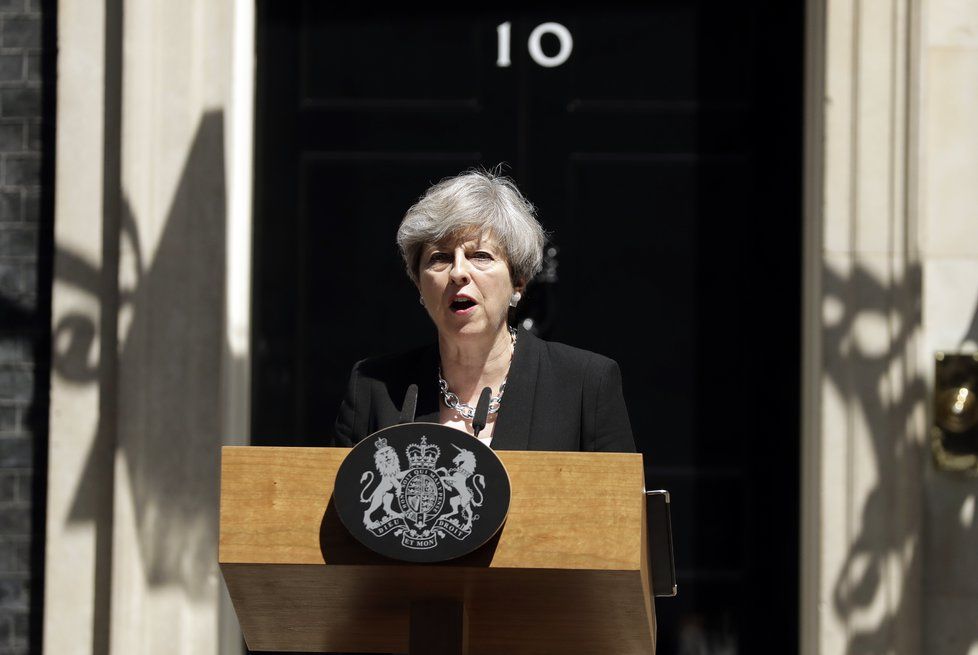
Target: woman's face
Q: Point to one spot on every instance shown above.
(466, 286)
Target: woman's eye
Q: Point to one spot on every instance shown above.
(438, 257)
(482, 255)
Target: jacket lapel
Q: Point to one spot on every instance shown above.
(512, 431)
(429, 395)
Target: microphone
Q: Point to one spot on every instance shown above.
(410, 405)
(481, 411)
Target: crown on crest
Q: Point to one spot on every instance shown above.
(423, 455)
(381, 443)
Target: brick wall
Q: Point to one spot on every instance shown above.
(26, 81)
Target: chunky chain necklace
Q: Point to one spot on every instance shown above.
(466, 410)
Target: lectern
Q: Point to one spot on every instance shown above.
(567, 573)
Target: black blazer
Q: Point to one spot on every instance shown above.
(557, 398)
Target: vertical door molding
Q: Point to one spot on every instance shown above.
(863, 386)
(171, 325)
(236, 367)
(78, 517)
(180, 350)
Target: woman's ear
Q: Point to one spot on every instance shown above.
(514, 299)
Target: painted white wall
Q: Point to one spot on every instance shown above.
(151, 310)
(863, 396)
(890, 544)
(949, 245)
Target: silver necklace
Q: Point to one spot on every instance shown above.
(466, 410)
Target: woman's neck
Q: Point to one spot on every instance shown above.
(470, 364)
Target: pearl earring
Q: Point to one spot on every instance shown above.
(421, 300)
(515, 299)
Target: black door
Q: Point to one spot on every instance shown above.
(662, 148)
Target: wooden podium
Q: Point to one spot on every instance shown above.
(567, 573)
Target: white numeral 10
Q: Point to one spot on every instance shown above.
(533, 44)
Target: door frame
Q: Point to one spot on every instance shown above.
(239, 287)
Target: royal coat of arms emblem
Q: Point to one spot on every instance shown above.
(422, 492)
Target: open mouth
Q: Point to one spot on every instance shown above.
(462, 304)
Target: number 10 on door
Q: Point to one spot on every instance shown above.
(564, 38)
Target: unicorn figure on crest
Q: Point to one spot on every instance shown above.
(457, 479)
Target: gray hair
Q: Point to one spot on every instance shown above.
(475, 202)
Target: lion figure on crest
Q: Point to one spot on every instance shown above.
(389, 467)
(457, 479)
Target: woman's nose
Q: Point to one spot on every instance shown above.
(460, 269)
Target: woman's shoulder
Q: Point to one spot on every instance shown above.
(383, 366)
(572, 356)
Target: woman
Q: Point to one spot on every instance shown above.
(470, 245)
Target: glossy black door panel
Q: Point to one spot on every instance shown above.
(664, 156)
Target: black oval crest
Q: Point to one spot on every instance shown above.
(422, 492)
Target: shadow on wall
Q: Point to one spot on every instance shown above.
(883, 392)
(875, 589)
(161, 395)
